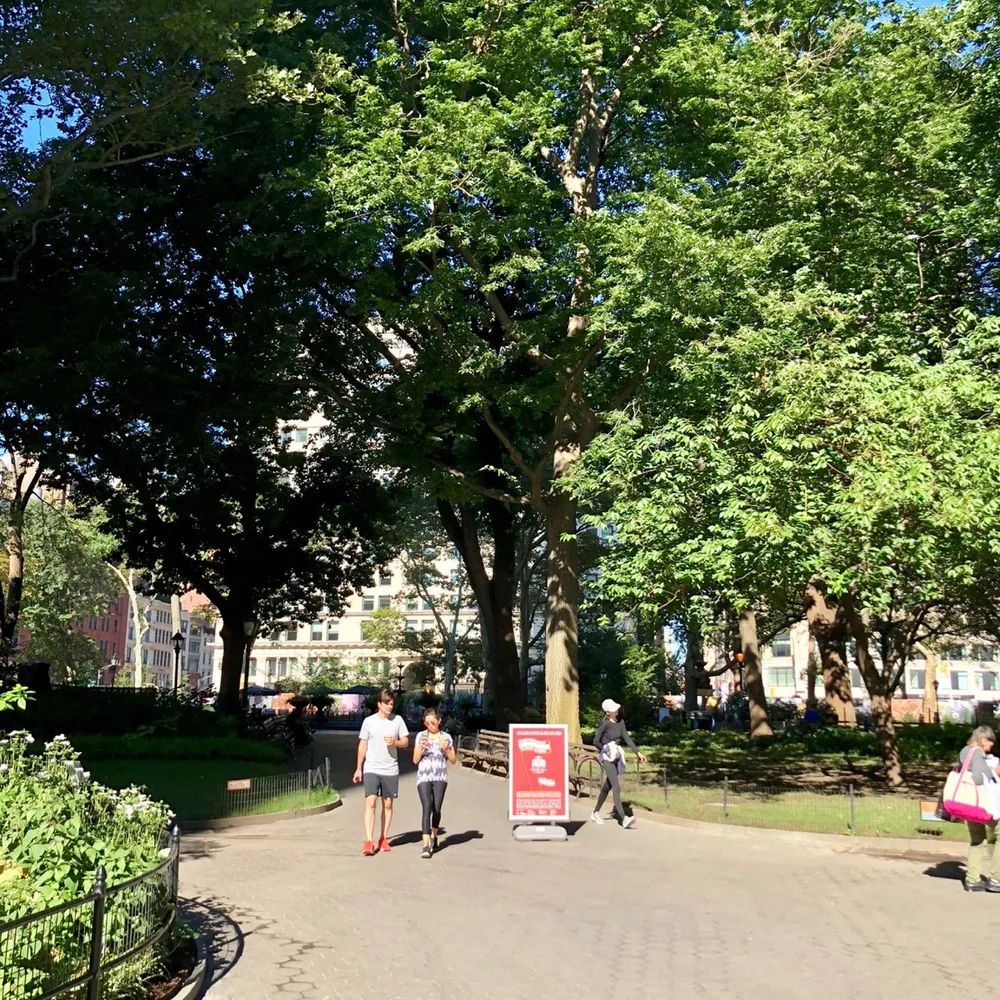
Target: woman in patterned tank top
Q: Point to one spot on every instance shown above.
(432, 752)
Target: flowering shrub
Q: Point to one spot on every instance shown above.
(57, 826)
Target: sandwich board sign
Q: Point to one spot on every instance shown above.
(538, 774)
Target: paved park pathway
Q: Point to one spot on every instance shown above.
(293, 910)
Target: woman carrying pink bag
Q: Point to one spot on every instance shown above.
(982, 835)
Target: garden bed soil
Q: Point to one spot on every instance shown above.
(179, 965)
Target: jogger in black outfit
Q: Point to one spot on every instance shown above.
(608, 739)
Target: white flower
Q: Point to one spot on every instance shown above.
(60, 739)
(28, 738)
(86, 775)
(4, 767)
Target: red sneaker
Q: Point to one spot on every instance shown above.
(383, 846)
(369, 849)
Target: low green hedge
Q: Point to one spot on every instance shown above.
(178, 748)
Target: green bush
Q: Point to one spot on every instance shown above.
(145, 747)
(116, 711)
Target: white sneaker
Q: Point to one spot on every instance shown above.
(596, 817)
(627, 822)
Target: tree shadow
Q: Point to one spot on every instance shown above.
(222, 936)
(455, 839)
(947, 869)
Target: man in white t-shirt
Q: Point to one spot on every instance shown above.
(382, 736)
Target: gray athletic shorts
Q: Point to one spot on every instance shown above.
(385, 786)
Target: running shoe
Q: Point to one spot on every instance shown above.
(383, 846)
(426, 852)
(627, 822)
(596, 817)
(369, 849)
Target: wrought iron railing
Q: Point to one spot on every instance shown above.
(69, 950)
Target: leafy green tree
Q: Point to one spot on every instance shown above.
(67, 580)
(95, 86)
(200, 311)
(830, 430)
(497, 164)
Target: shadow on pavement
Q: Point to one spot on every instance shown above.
(454, 839)
(946, 869)
(222, 936)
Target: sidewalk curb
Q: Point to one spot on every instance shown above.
(841, 843)
(195, 982)
(213, 825)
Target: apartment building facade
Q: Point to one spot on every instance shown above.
(966, 671)
(292, 652)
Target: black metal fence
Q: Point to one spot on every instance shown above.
(272, 793)
(70, 951)
(842, 809)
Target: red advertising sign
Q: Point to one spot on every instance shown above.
(538, 775)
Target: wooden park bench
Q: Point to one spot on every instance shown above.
(488, 749)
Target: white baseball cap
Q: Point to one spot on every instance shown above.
(610, 705)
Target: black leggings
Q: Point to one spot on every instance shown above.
(431, 798)
(611, 785)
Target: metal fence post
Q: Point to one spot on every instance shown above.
(725, 796)
(97, 937)
(666, 794)
(850, 796)
(175, 847)
(327, 772)
(309, 780)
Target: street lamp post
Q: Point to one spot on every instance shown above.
(178, 641)
(249, 632)
(114, 667)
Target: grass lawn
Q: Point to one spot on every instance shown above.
(797, 780)
(881, 815)
(196, 789)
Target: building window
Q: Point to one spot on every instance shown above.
(855, 677)
(411, 604)
(316, 632)
(426, 605)
(959, 680)
(93, 622)
(988, 681)
(272, 665)
(985, 654)
(385, 579)
(385, 601)
(956, 653)
(781, 677)
(333, 630)
(282, 666)
(918, 679)
(253, 666)
(367, 603)
(116, 624)
(292, 634)
(293, 666)
(301, 435)
(412, 625)
(427, 625)
(194, 645)
(781, 645)
(917, 655)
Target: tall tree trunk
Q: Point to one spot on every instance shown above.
(749, 646)
(929, 707)
(692, 656)
(562, 651)
(494, 595)
(234, 644)
(829, 628)
(23, 479)
(140, 624)
(811, 657)
(881, 697)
